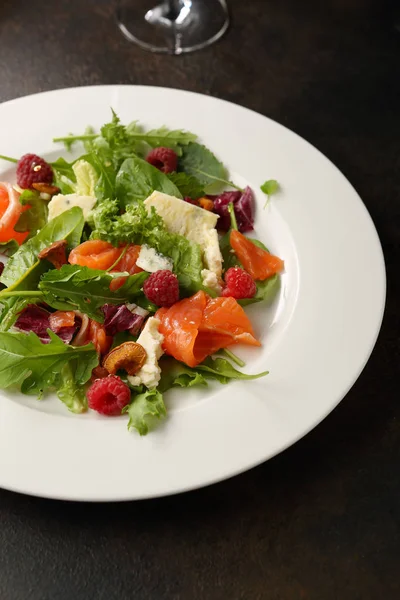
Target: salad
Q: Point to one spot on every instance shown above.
(127, 271)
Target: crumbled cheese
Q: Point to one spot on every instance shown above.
(60, 203)
(151, 261)
(151, 340)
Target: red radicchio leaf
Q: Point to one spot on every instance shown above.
(244, 206)
(119, 318)
(36, 319)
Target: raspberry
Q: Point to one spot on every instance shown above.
(109, 395)
(239, 284)
(162, 288)
(164, 159)
(33, 169)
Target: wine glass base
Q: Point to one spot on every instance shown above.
(191, 26)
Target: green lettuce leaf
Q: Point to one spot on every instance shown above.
(200, 162)
(188, 185)
(86, 178)
(72, 394)
(143, 407)
(25, 361)
(9, 248)
(79, 288)
(137, 179)
(23, 270)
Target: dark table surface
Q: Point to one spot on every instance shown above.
(320, 521)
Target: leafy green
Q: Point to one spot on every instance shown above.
(86, 178)
(269, 187)
(176, 374)
(79, 288)
(186, 256)
(147, 404)
(9, 248)
(24, 269)
(25, 361)
(35, 217)
(161, 137)
(9, 309)
(137, 179)
(64, 176)
(266, 291)
(200, 162)
(187, 185)
(222, 370)
(133, 226)
(71, 393)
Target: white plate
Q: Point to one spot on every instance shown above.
(316, 338)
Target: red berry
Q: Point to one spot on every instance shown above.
(162, 288)
(164, 159)
(239, 284)
(109, 395)
(33, 169)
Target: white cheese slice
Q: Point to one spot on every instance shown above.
(151, 340)
(60, 203)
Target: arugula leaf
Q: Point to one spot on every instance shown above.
(187, 185)
(137, 179)
(72, 394)
(24, 269)
(9, 248)
(199, 161)
(162, 137)
(35, 217)
(222, 370)
(147, 404)
(79, 288)
(25, 361)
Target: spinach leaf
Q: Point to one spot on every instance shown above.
(144, 406)
(200, 162)
(35, 217)
(188, 185)
(137, 179)
(23, 270)
(25, 361)
(79, 288)
(266, 291)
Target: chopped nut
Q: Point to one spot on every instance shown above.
(129, 356)
(46, 188)
(206, 203)
(55, 253)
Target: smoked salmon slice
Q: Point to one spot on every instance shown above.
(95, 254)
(259, 263)
(199, 326)
(10, 211)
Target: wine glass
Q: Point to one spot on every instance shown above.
(174, 26)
